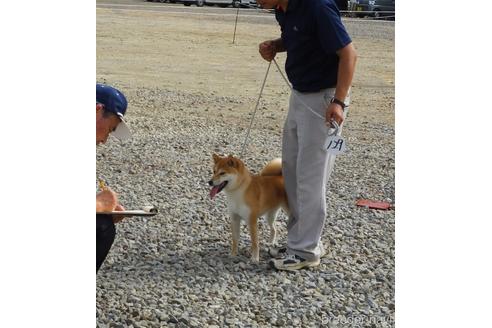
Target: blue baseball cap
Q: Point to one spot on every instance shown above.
(114, 101)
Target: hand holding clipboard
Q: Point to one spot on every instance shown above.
(105, 205)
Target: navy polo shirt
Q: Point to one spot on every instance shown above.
(312, 32)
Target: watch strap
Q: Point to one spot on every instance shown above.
(338, 101)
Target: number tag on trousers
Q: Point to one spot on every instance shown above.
(334, 143)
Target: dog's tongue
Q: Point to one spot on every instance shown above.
(214, 191)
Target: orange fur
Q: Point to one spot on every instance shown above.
(250, 196)
(274, 167)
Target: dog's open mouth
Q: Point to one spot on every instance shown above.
(216, 189)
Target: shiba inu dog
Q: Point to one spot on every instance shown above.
(249, 196)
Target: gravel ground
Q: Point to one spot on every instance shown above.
(174, 270)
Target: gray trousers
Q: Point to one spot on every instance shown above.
(306, 168)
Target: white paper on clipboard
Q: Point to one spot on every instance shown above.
(145, 211)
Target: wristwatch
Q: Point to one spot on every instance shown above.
(339, 102)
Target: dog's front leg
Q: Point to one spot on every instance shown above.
(253, 230)
(236, 229)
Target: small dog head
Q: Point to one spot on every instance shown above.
(226, 173)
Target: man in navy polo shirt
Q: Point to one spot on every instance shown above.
(320, 65)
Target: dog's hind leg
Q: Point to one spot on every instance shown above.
(235, 229)
(271, 216)
(253, 230)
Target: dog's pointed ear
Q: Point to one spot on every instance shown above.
(216, 158)
(234, 162)
(231, 161)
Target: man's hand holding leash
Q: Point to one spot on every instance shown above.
(334, 112)
(267, 50)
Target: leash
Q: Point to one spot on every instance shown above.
(333, 123)
(293, 91)
(256, 108)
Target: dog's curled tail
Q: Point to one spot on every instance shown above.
(274, 167)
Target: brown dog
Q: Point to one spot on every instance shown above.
(249, 196)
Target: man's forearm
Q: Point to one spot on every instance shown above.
(346, 69)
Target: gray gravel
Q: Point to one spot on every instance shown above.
(174, 270)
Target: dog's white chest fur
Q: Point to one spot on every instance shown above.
(236, 204)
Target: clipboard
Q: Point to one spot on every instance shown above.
(146, 211)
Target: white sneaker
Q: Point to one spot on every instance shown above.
(291, 262)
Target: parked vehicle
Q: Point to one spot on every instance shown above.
(360, 8)
(374, 8)
(378, 7)
(162, 1)
(221, 3)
